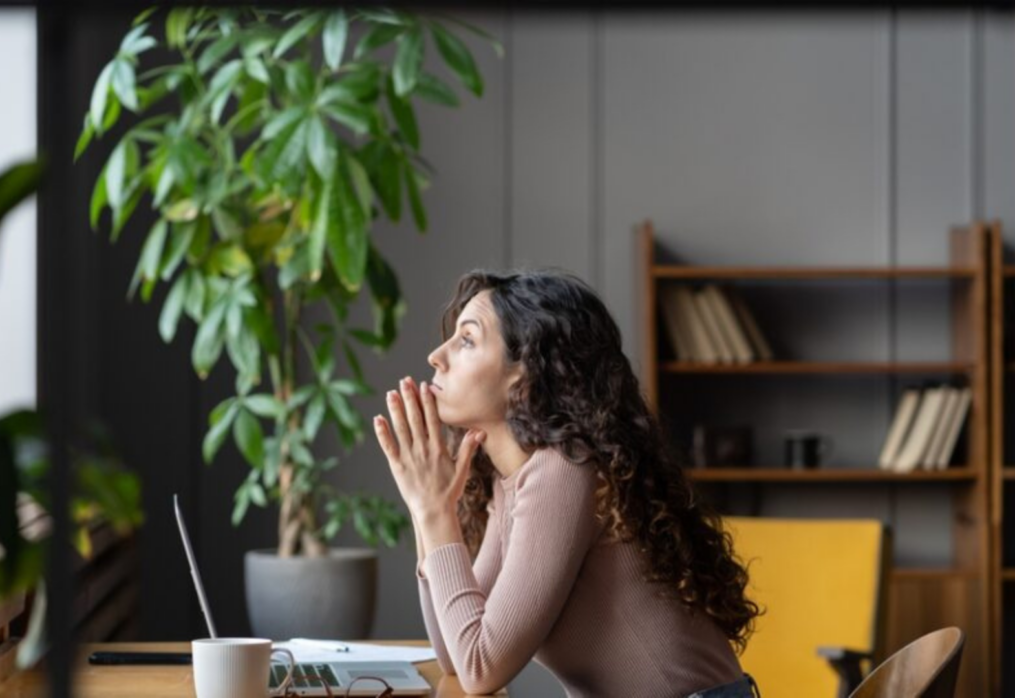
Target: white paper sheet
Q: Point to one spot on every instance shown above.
(360, 652)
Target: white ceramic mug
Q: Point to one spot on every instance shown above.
(228, 667)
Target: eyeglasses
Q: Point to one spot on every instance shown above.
(388, 691)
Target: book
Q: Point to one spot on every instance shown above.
(954, 428)
(914, 448)
(903, 420)
(951, 401)
(702, 347)
(723, 352)
(758, 341)
(735, 335)
(676, 324)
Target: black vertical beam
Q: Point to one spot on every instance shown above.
(56, 293)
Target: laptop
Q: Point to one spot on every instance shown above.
(403, 677)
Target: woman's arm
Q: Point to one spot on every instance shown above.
(491, 637)
(485, 568)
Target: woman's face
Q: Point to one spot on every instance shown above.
(471, 374)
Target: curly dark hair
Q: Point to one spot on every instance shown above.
(580, 396)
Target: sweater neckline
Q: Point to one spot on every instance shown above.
(509, 481)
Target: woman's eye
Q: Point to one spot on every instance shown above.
(466, 341)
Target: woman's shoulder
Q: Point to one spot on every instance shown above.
(550, 464)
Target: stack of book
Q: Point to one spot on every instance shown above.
(925, 429)
(711, 325)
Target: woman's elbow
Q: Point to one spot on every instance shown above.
(480, 685)
(446, 666)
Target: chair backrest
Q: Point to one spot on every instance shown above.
(820, 582)
(928, 667)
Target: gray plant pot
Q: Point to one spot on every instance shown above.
(329, 597)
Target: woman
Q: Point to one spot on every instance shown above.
(592, 553)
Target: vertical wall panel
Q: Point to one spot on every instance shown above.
(550, 145)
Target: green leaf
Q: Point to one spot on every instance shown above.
(497, 46)
(194, 304)
(99, 95)
(342, 410)
(135, 35)
(255, 69)
(433, 89)
(176, 26)
(17, 183)
(314, 416)
(354, 116)
(408, 61)
(362, 80)
(124, 83)
(172, 308)
(320, 150)
(179, 242)
(220, 420)
(85, 138)
(457, 57)
(405, 117)
(249, 438)
(375, 37)
(348, 243)
(215, 52)
(284, 153)
(242, 499)
(151, 254)
(382, 16)
(389, 181)
(120, 216)
(353, 361)
(299, 80)
(264, 405)
(415, 200)
(281, 121)
(336, 30)
(221, 87)
(99, 199)
(115, 173)
(361, 181)
(295, 33)
(257, 494)
(209, 341)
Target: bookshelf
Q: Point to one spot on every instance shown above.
(920, 599)
(1002, 277)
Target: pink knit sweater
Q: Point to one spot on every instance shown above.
(547, 586)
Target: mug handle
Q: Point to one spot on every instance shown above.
(289, 676)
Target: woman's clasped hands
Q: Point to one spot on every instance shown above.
(429, 479)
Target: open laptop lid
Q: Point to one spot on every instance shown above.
(193, 569)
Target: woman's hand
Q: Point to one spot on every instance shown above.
(429, 479)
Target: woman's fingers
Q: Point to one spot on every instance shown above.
(433, 422)
(412, 411)
(466, 450)
(385, 438)
(398, 421)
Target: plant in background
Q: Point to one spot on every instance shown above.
(280, 147)
(103, 490)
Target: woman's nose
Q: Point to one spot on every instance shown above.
(433, 359)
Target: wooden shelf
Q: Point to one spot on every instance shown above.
(676, 271)
(932, 573)
(1008, 472)
(1009, 269)
(1008, 574)
(819, 367)
(761, 474)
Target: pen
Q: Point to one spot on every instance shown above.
(321, 644)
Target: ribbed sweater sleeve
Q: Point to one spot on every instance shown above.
(491, 636)
(488, 561)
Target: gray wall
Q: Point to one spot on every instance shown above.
(771, 138)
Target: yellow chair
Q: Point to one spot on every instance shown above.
(821, 583)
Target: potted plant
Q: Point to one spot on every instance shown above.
(284, 141)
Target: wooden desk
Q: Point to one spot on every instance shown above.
(173, 681)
